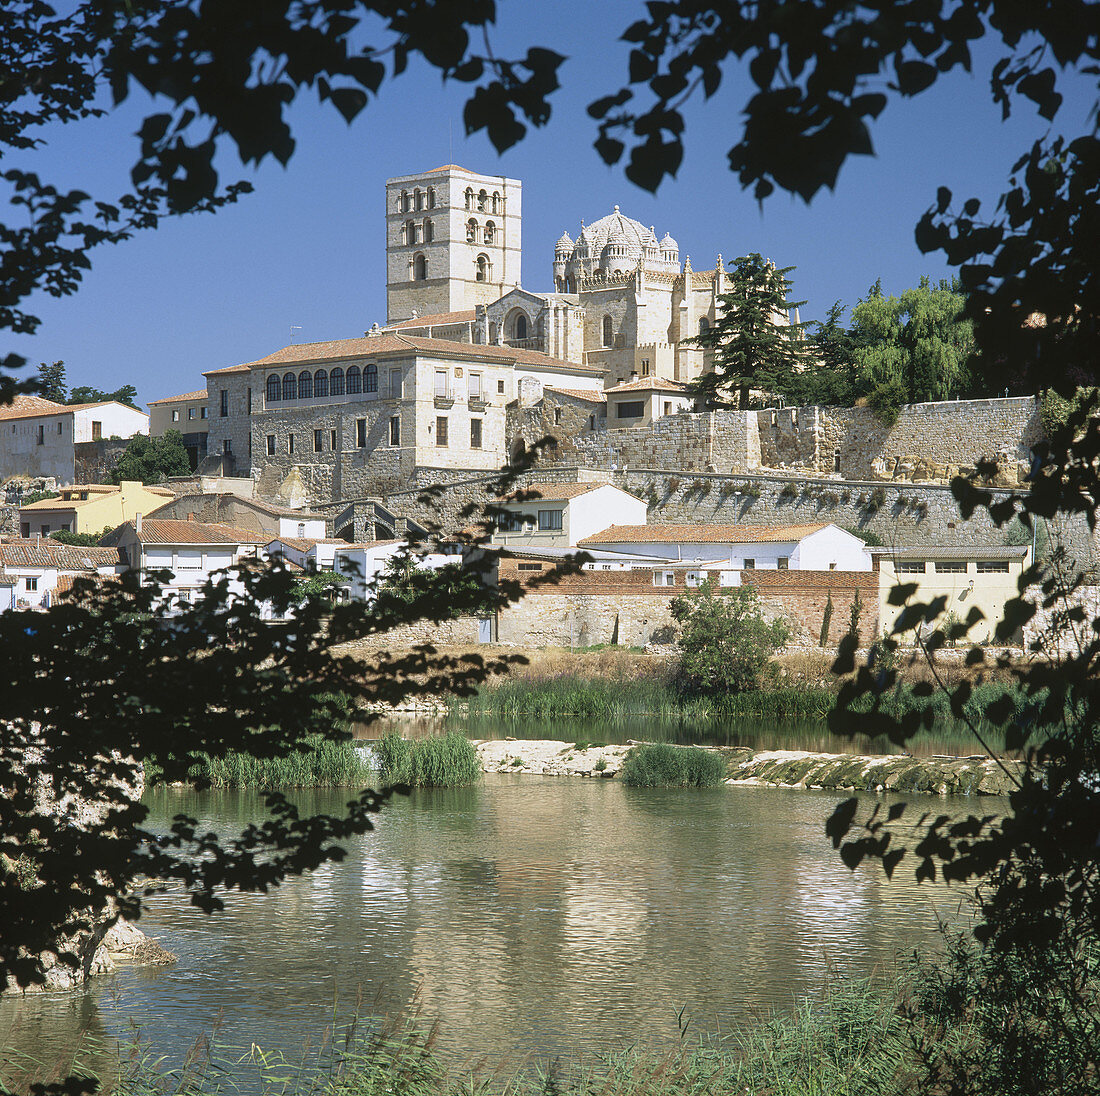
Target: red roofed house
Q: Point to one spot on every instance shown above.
(34, 572)
(641, 402)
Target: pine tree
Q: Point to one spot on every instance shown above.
(754, 344)
(51, 382)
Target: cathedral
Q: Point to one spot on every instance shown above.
(622, 301)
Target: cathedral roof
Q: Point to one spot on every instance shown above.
(668, 243)
(620, 231)
(564, 243)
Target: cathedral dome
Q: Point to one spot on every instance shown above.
(628, 238)
(564, 244)
(668, 243)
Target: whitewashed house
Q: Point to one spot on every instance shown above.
(309, 553)
(362, 564)
(35, 573)
(564, 514)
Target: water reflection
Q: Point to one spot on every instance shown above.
(531, 914)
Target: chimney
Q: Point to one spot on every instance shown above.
(634, 374)
(137, 523)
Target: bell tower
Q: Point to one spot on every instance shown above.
(452, 241)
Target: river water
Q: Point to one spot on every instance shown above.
(528, 915)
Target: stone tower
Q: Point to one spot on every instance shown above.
(452, 241)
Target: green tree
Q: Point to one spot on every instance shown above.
(323, 585)
(913, 348)
(725, 644)
(51, 382)
(127, 394)
(753, 341)
(88, 540)
(152, 460)
(831, 380)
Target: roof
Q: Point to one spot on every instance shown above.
(243, 368)
(52, 553)
(577, 393)
(645, 384)
(701, 534)
(256, 504)
(436, 319)
(559, 492)
(29, 407)
(303, 544)
(971, 551)
(387, 345)
(96, 491)
(187, 397)
(177, 531)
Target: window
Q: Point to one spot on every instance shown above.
(441, 382)
(332, 440)
(909, 567)
(429, 232)
(190, 413)
(694, 578)
(645, 367)
(41, 434)
(59, 428)
(97, 430)
(951, 567)
(320, 383)
(305, 385)
(360, 433)
(175, 416)
(395, 430)
(224, 402)
(497, 207)
(631, 409)
(750, 564)
(469, 198)
(520, 327)
(500, 388)
(404, 201)
(370, 377)
(591, 422)
(482, 198)
(227, 446)
(783, 563)
(31, 583)
(668, 408)
(290, 386)
(431, 197)
(189, 561)
(471, 231)
(549, 520)
(489, 232)
(530, 566)
(271, 445)
(475, 433)
(557, 416)
(419, 198)
(482, 268)
(608, 331)
(993, 567)
(290, 443)
(354, 381)
(474, 385)
(441, 430)
(336, 382)
(301, 528)
(420, 269)
(836, 461)
(318, 441)
(664, 578)
(202, 412)
(510, 523)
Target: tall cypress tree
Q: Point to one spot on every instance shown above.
(754, 343)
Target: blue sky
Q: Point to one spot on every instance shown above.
(302, 259)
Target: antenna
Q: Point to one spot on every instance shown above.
(294, 327)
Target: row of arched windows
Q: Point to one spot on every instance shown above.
(414, 233)
(483, 202)
(308, 385)
(487, 233)
(418, 199)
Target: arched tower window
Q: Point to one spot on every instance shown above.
(704, 325)
(404, 201)
(482, 268)
(519, 327)
(429, 230)
(419, 195)
(370, 377)
(273, 388)
(320, 383)
(354, 380)
(290, 387)
(471, 231)
(336, 382)
(305, 385)
(496, 202)
(469, 198)
(489, 232)
(608, 331)
(482, 200)
(431, 197)
(420, 268)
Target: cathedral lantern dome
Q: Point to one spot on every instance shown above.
(669, 244)
(564, 245)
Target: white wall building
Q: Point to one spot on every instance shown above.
(564, 514)
(34, 573)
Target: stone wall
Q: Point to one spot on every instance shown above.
(94, 461)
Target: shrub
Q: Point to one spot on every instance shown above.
(886, 399)
(442, 761)
(662, 765)
(789, 491)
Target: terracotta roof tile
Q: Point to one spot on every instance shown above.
(436, 319)
(303, 544)
(243, 368)
(29, 407)
(700, 534)
(187, 397)
(578, 393)
(647, 384)
(178, 531)
(52, 553)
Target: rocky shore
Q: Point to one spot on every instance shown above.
(775, 768)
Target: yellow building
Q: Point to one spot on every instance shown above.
(985, 577)
(92, 507)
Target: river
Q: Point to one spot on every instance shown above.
(528, 915)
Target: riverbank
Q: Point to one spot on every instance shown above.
(775, 768)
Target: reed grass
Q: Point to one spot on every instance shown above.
(441, 761)
(662, 765)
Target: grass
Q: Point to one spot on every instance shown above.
(662, 765)
(442, 761)
(326, 764)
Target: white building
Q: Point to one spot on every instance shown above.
(38, 437)
(34, 573)
(562, 515)
(309, 553)
(362, 564)
(643, 400)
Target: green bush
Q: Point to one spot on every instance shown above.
(442, 761)
(662, 765)
(325, 764)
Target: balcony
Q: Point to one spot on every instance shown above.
(444, 402)
(477, 403)
(537, 343)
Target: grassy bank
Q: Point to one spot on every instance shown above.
(440, 761)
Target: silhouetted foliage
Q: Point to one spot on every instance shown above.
(152, 460)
